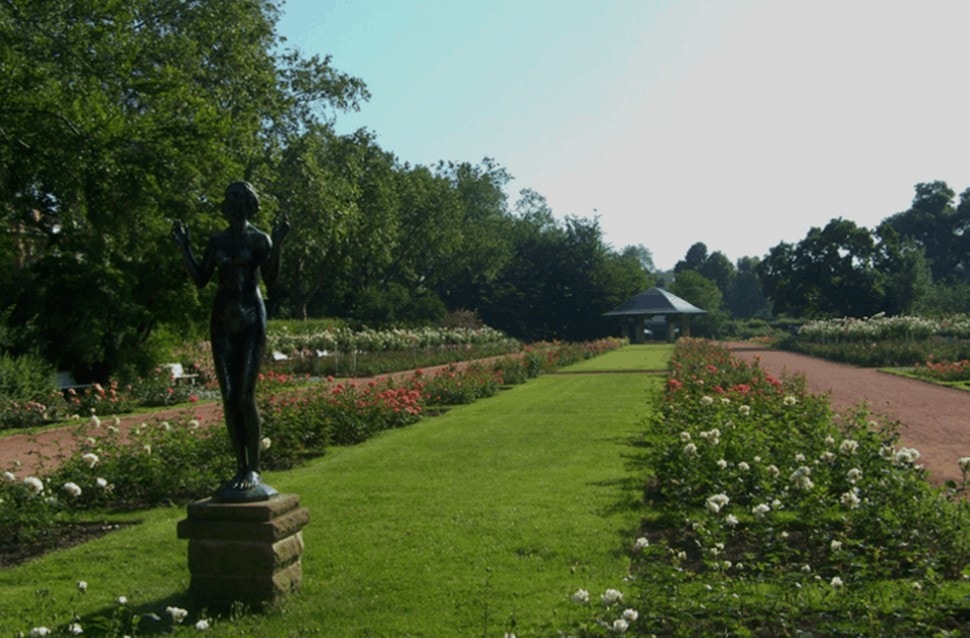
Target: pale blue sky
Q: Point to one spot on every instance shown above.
(738, 123)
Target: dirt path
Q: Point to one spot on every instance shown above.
(935, 420)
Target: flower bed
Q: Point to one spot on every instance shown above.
(347, 353)
(177, 461)
(884, 341)
(769, 513)
(944, 370)
(342, 339)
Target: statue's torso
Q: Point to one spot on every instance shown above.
(237, 257)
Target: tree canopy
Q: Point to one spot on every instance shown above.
(118, 118)
(844, 270)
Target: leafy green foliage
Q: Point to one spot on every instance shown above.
(697, 289)
(98, 399)
(144, 113)
(25, 378)
(938, 228)
(909, 263)
(560, 278)
(157, 462)
(160, 387)
(453, 387)
(28, 393)
(30, 509)
(738, 293)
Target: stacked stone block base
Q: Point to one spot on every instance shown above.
(245, 552)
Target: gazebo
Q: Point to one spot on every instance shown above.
(656, 302)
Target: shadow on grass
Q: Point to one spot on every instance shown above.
(631, 490)
(154, 619)
(63, 536)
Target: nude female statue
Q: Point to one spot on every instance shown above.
(241, 253)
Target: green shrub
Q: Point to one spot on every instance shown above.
(30, 508)
(462, 318)
(452, 386)
(160, 388)
(26, 378)
(545, 356)
(943, 370)
(28, 392)
(359, 412)
(157, 462)
(753, 329)
(514, 370)
(297, 426)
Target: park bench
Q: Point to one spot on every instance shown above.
(178, 373)
(66, 381)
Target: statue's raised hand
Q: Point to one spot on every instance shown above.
(180, 233)
(281, 227)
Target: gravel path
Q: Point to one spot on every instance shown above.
(934, 419)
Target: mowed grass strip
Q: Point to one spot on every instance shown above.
(473, 523)
(652, 357)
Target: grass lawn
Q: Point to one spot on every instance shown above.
(643, 357)
(909, 374)
(476, 522)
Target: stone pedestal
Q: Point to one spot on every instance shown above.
(246, 552)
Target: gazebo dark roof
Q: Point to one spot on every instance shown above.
(655, 301)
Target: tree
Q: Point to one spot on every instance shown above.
(316, 185)
(845, 270)
(560, 277)
(719, 269)
(485, 224)
(368, 249)
(939, 228)
(118, 118)
(779, 280)
(641, 255)
(429, 239)
(700, 291)
(694, 259)
(580, 288)
(906, 275)
(837, 271)
(714, 267)
(746, 298)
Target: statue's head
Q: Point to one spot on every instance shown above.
(241, 199)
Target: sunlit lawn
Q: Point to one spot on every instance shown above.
(642, 357)
(476, 522)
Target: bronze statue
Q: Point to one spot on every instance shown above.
(241, 253)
